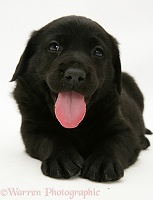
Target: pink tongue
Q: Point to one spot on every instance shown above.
(70, 109)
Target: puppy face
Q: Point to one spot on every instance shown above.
(77, 60)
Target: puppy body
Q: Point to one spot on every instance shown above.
(76, 54)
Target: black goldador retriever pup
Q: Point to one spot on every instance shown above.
(79, 112)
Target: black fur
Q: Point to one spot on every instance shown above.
(111, 135)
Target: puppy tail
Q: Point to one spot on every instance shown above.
(148, 132)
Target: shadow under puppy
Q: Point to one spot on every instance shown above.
(79, 112)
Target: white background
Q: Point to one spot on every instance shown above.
(131, 22)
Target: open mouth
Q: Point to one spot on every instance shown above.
(70, 108)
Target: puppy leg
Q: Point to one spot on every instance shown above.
(107, 163)
(59, 157)
(62, 162)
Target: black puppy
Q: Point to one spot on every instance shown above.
(79, 112)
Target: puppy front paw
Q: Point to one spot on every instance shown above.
(101, 169)
(62, 165)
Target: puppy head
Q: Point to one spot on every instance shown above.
(77, 60)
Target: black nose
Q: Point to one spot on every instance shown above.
(74, 76)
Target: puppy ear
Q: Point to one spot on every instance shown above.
(117, 65)
(25, 58)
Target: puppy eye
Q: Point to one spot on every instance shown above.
(54, 46)
(98, 51)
